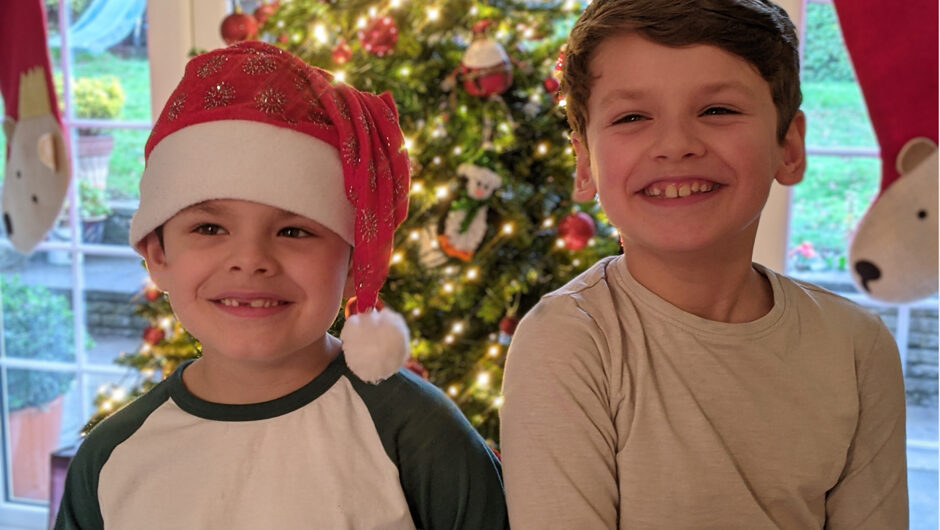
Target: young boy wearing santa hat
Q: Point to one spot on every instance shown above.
(270, 193)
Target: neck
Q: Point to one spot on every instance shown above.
(715, 286)
(218, 379)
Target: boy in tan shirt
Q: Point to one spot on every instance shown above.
(680, 385)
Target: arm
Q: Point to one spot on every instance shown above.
(79, 507)
(557, 436)
(450, 477)
(872, 490)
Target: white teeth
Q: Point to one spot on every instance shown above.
(672, 191)
(253, 303)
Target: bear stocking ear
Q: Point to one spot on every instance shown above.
(914, 153)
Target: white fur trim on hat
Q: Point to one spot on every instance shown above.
(375, 344)
(246, 160)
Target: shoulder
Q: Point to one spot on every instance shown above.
(117, 428)
(583, 299)
(837, 319)
(406, 401)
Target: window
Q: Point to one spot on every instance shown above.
(843, 177)
(67, 309)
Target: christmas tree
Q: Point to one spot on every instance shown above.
(491, 226)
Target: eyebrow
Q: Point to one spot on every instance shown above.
(627, 94)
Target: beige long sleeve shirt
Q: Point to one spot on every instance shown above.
(623, 411)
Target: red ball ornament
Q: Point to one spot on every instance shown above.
(485, 68)
(153, 335)
(415, 366)
(152, 294)
(576, 229)
(551, 84)
(341, 52)
(379, 36)
(239, 27)
(264, 11)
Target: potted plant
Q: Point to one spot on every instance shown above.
(37, 325)
(100, 98)
(94, 211)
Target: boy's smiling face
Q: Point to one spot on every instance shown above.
(681, 145)
(250, 281)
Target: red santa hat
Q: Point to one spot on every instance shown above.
(253, 122)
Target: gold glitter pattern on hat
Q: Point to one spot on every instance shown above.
(176, 106)
(350, 150)
(369, 225)
(271, 101)
(259, 64)
(212, 65)
(219, 95)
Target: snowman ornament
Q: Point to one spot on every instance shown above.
(465, 221)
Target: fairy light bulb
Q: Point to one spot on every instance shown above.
(473, 273)
(416, 312)
(548, 222)
(493, 350)
(440, 191)
(409, 143)
(414, 235)
(457, 327)
(417, 186)
(458, 150)
(320, 34)
(508, 229)
(542, 149)
(449, 339)
(361, 22)
(498, 401)
(119, 394)
(339, 76)
(373, 11)
(483, 379)
(453, 390)
(434, 14)
(560, 243)
(397, 257)
(449, 287)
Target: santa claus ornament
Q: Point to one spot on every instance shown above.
(36, 177)
(485, 69)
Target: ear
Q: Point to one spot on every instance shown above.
(793, 162)
(153, 253)
(584, 187)
(46, 149)
(915, 151)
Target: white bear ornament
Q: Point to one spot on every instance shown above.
(893, 254)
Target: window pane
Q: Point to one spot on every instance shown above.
(833, 103)
(826, 207)
(112, 292)
(37, 319)
(37, 401)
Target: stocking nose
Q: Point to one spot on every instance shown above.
(868, 271)
(8, 224)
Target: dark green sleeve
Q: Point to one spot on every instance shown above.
(79, 508)
(451, 478)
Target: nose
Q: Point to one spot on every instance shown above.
(252, 256)
(677, 140)
(868, 272)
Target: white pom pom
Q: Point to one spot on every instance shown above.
(375, 344)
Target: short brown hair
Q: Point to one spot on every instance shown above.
(758, 31)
